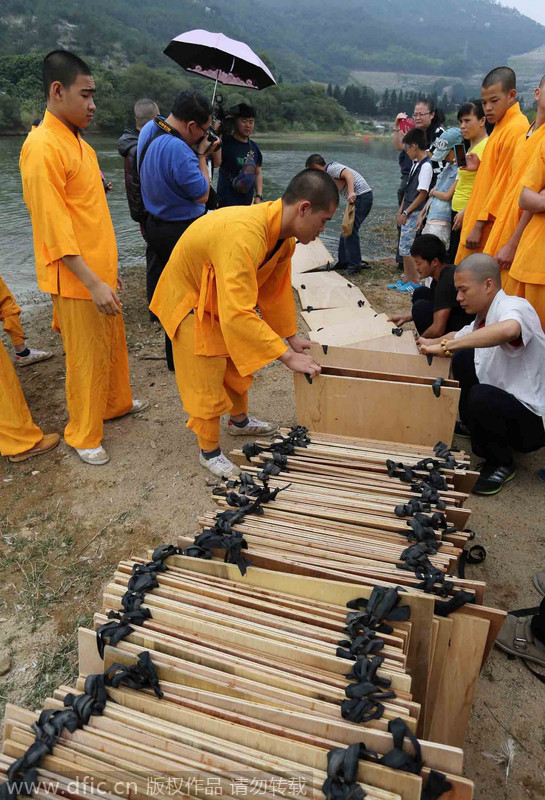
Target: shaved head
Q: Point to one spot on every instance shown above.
(481, 267)
(144, 110)
(542, 82)
(503, 75)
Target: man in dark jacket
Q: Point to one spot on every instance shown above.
(144, 110)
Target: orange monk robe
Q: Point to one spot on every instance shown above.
(492, 178)
(510, 212)
(17, 431)
(63, 192)
(9, 314)
(225, 265)
(527, 273)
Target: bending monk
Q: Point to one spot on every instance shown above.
(499, 96)
(20, 438)
(9, 315)
(511, 220)
(76, 255)
(225, 266)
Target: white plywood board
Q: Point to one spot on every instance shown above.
(330, 296)
(353, 330)
(336, 316)
(313, 255)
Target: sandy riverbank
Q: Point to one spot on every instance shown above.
(64, 526)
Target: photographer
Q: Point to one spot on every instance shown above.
(240, 180)
(172, 163)
(172, 155)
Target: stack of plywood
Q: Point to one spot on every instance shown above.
(336, 311)
(302, 630)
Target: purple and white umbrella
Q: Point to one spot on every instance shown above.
(219, 58)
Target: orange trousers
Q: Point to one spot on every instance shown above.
(17, 431)
(97, 369)
(209, 386)
(9, 314)
(533, 292)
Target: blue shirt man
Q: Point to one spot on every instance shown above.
(170, 176)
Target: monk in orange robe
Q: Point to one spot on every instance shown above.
(225, 267)
(499, 96)
(526, 277)
(511, 220)
(20, 438)
(76, 255)
(10, 314)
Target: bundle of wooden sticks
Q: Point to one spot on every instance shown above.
(312, 640)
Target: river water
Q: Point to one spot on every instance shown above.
(375, 159)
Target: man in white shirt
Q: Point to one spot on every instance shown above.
(499, 361)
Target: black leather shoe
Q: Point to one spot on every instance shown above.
(461, 430)
(493, 477)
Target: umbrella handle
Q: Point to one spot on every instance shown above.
(215, 87)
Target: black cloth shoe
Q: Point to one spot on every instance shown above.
(493, 477)
(340, 266)
(461, 430)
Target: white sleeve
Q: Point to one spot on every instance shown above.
(524, 317)
(425, 177)
(464, 331)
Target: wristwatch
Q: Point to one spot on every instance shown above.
(404, 213)
(259, 195)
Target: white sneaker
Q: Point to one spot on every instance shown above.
(220, 466)
(97, 456)
(138, 406)
(255, 427)
(33, 357)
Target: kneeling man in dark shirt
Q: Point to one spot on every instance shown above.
(435, 308)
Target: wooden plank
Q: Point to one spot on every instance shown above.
(389, 344)
(339, 593)
(444, 628)
(362, 407)
(377, 361)
(459, 680)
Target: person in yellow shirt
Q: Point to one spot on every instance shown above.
(225, 267)
(10, 314)
(472, 121)
(511, 221)
(499, 96)
(76, 255)
(20, 438)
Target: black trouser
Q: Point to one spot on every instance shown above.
(162, 237)
(400, 196)
(497, 421)
(422, 309)
(454, 240)
(152, 267)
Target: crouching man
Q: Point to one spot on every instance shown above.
(499, 361)
(225, 267)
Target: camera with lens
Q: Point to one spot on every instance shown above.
(224, 120)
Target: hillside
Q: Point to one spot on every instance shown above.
(310, 39)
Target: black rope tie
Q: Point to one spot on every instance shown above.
(364, 697)
(22, 775)
(283, 445)
(143, 580)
